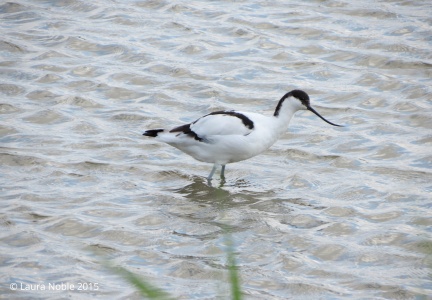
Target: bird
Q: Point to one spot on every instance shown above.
(230, 136)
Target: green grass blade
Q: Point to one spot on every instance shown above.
(146, 289)
(233, 270)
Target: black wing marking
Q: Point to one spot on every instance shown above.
(187, 130)
(246, 121)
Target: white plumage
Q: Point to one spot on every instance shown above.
(224, 137)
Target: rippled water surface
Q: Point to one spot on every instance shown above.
(326, 213)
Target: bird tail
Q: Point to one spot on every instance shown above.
(152, 132)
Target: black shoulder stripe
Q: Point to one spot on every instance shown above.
(246, 121)
(187, 130)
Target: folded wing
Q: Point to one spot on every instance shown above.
(223, 123)
(220, 123)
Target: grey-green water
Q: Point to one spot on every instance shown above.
(326, 213)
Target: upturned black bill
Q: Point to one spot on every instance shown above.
(315, 112)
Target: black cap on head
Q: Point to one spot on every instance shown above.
(302, 96)
(298, 94)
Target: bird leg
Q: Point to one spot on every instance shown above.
(223, 172)
(212, 172)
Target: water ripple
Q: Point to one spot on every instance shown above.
(325, 213)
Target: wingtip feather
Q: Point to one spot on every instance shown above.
(152, 132)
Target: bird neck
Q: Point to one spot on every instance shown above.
(285, 114)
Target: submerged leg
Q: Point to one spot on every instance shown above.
(212, 172)
(223, 172)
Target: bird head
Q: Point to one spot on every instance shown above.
(299, 100)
